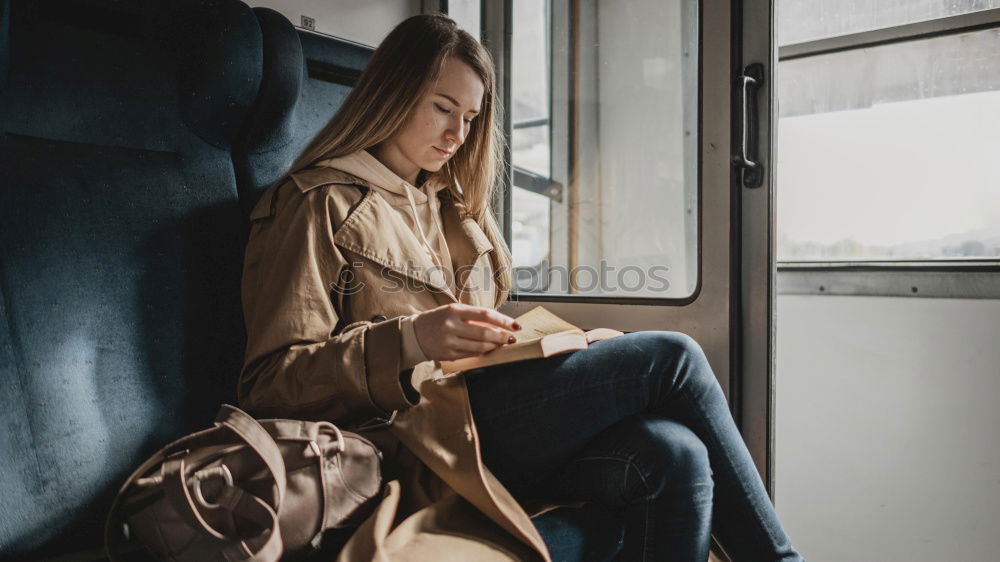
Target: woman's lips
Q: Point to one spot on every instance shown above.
(443, 153)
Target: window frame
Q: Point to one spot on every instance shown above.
(949, 25)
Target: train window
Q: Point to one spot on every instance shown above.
(604, 109)
(886, 140)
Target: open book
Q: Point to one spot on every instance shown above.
(542, 334)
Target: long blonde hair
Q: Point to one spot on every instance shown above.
(400, 72)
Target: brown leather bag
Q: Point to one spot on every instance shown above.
(246, 489)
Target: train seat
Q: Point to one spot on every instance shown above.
(121, 247)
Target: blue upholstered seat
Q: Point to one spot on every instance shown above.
(121, 246)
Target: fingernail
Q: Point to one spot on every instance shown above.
(517, 326)
(511, 339)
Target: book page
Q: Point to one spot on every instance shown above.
(598, 334)
(539, 322)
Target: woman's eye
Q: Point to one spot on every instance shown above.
(447, 111)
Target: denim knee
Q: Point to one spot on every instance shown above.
(676, 354)
(676, 343)
(671, 459)
(637, 459)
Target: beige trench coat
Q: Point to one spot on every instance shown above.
(330, 268)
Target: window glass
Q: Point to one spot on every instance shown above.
(806, 20)
(530, 142)
(890, 152)
(467, 14)
(604, 146)
(530, 84)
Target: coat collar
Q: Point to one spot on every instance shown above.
(374, 230)
(363, 165)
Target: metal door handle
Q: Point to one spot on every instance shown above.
(748, 83)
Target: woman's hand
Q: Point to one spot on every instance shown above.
(454, 331)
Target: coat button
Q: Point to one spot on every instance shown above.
(379, 318)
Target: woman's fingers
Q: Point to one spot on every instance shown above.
(458, 330)
(466, 347)
(488, 316)
(474, 330)
(485, 324)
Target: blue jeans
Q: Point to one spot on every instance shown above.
(639, 427)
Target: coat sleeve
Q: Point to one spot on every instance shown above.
(412, 352)
(299, 361)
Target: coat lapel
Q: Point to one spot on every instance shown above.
(374, 230)
(466, 240)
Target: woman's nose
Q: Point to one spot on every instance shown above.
(456, 130)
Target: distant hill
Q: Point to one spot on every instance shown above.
(981, 243)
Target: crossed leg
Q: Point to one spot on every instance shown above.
(648, 397)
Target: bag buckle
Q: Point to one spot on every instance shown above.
(377, 422)
(221, 471)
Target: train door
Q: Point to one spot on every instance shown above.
(639, 195)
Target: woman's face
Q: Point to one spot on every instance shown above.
(438, 124)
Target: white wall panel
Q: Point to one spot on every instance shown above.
(887, 425)
(362, 21)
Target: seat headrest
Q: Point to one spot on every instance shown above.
(281, 83)
(219, 68)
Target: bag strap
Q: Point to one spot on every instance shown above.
(238, 502)
(248, 430)
(112, 525)
(262, 443)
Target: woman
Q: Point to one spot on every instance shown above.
(377, 256)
